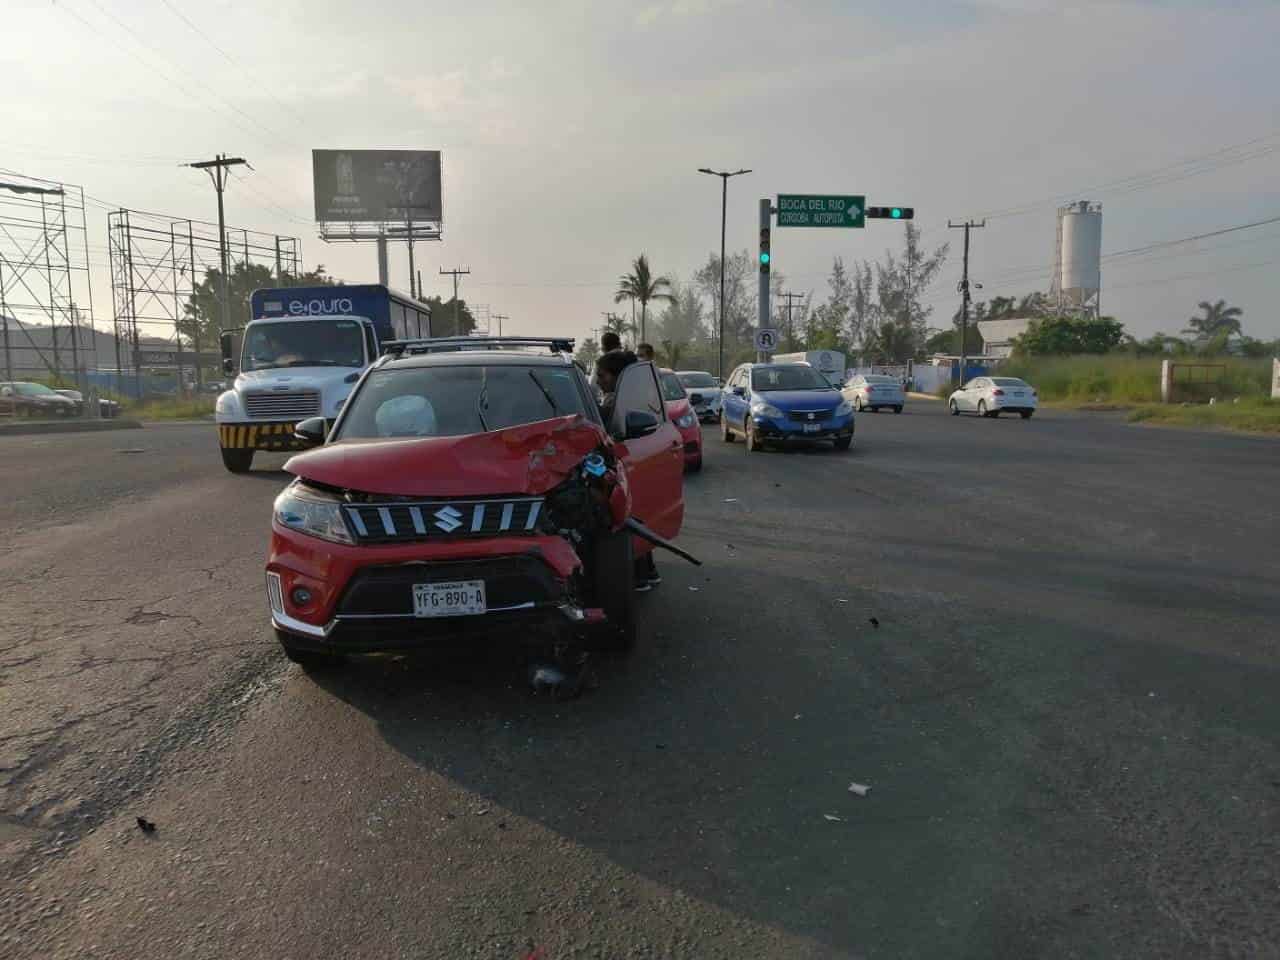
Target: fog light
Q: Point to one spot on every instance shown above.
(301, 596)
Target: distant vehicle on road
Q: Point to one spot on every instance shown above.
(467, 491)
(873, 391)
(20, 398)
(106, 408)
(778, 402)
(704, 393)
(992, 396)
(680, 411)
(830, 363)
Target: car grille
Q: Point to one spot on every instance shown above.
(809, 416)
(432, 520)
(279, 405)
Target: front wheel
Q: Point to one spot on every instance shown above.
(1026, 414)
(754, 443)
(613, 583)
(858, 405)
(955, 410)
(725, 433)
(237, 461)
(982, 409)
(843, 443)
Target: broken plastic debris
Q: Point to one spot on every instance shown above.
(838, 600)
(694, 589)
(730, 500)
(832, 817)
(861, 789)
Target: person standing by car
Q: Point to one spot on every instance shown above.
(609, 367)
(645, 352)
(610, 341)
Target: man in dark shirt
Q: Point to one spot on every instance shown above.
(608, 368)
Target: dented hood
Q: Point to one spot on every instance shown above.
(529, 459)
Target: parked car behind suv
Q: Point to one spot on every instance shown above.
(34, 400)
(472, 492)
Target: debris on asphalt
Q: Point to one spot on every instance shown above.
(833, 818)
(730, 500)
(562, 681)
(860, 789)
(482, 811)
(839, 600)
(874, 622)
(145, 825)
(694, 589)
(797, 716)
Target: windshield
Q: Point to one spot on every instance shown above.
(1008, 382)
(449, 401)
(672, 389)
(329, 342)
(790, 377)
(33, 390)
(697, 379)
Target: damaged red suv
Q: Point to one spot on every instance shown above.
(470, 489)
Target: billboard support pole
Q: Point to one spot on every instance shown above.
(383, 277)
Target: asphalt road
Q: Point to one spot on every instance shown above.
(1067, 717)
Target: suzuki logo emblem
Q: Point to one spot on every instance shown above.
(811, 416)
(448, 519)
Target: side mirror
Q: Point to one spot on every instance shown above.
(695, 398)
(639, 423)
(228, 353)
(311, 431)
(739, 391)
(6, 392)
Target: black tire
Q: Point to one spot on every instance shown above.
(898, 409)
(982, 409)
(694, 467)
(237, 461)
(955, 411)
(843, 443)
(613, 582)
(1026, 414)
(754, 445)
(858, 405)
(725, 433)
(309, 660)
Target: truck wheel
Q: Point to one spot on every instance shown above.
(237, 461)
(309, 660)
(613, 582)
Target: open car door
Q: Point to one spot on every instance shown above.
(652, 451)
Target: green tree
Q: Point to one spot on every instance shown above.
(682, 321)
(587, 353)
(442, 317)
(1069, 335)
(1218, 318)
(615, 323)
(825, 326)
(901, 283)
(642, 287)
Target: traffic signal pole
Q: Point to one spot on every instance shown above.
(964, 295)
(763, 307)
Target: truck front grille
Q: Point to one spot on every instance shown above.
(282, 405)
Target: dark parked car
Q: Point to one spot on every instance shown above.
(106, 408)
(34, 400)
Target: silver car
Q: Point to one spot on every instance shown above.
(872, 391)
(703, 391)
(992, 396)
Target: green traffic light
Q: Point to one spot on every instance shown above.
(764, 258)
(896, 213)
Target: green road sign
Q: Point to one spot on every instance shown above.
(811, 210)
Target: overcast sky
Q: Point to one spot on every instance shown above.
(572, 131)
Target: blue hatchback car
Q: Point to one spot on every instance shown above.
(777, 402)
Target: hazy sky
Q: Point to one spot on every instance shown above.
(571, 132)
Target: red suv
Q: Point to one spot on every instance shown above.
(469, 488)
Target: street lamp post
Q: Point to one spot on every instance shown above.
(724, 176)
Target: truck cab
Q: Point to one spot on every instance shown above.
(299, 357)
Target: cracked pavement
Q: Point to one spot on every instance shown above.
(1067, 717)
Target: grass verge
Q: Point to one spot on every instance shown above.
(196, 408)
(1255, 415)
(1119, 379)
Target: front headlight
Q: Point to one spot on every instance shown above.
(844, 409)
(686, 420)
(228, 404)
(762, 409)
(311, 512)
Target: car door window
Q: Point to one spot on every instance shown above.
(637, 391)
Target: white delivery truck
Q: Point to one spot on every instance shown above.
(829, 363)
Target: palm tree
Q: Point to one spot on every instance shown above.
(617, 324)
(641, 286)
(1218, 318)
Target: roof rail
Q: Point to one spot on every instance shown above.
(444, 344)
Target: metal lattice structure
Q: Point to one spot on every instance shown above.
(46, 301)
(157, 262)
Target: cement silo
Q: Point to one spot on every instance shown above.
(1077, 273)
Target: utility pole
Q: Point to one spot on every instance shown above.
(791, 297)
(217, 169)
(964, 294)
(724, 176)
(499, 317)
(4, 321)
(455, 273)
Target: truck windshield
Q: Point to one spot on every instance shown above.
(328, 342)
(449, 401)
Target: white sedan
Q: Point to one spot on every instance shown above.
(992, 396)
(873, 391)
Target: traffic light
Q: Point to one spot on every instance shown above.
(765, 257)
(891, 213)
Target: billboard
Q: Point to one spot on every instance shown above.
(363, 186)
